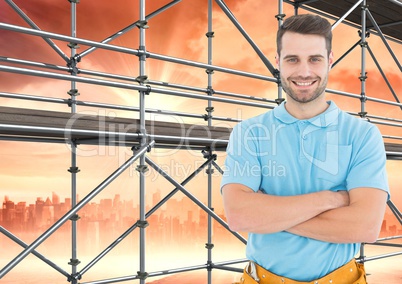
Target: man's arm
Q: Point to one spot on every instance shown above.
(359, 222)
(254, 212)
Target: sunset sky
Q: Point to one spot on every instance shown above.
(31, 170)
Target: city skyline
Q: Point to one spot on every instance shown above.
(45, 212)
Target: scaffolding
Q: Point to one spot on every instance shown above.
(143, 137)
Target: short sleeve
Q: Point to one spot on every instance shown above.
(242, 163)
(368, 166)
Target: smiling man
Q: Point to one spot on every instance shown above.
(306, 224)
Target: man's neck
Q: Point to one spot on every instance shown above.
(308, 110)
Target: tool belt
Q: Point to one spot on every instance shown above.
(350, 273)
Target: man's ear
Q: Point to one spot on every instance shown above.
(277, 60)
(330, 59)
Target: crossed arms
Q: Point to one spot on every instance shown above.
(337, 217)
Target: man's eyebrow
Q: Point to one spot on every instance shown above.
(317, 55)
(290, 56)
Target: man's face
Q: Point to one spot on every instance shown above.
(304, 65)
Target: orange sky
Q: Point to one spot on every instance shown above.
(30, 170)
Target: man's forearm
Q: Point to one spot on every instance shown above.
(262, 213)
(358, 222)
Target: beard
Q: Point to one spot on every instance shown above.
(304, 96)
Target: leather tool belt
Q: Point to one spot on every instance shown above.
(350, 273)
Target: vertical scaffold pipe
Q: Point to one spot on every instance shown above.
(363, 74)
(363, 98)
(142, 25)
(209, 245)
(280, 16)
(73, 169)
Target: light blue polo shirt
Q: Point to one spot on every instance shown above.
(281, 155)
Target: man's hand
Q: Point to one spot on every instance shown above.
(249, 211)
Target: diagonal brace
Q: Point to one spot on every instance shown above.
(193, 198)
(130, 27)
(34, 26)
(260, 54)
(391, 52)
(74, 210)
(149, 213)
(37, 254)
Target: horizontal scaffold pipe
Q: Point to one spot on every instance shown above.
(32, 139)
(109, 106)
(142, 88)
(130, 79)
(68, 133)
(385, 123)
(151, 274)
(342, 93)
(133, 52)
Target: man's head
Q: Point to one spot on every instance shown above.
(304, 58)
(307, 24)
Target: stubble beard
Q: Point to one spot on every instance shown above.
(304, 98)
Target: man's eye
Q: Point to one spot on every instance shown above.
(315, 59)
(291, 60)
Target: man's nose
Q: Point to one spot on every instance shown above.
(304, 69)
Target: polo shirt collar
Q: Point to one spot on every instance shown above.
(324, 119)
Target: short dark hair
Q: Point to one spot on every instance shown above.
(306, 24)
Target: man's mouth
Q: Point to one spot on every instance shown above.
(303, 84)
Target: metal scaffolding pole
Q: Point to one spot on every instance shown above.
(35, 253)
(280, 16)
(363, 74)
(73, 92)
(194, 199)
(145, 87)
(73, 211)
(209, 245)
(142, 167)
(34, 26)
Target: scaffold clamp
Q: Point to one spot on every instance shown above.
(142, 275)
(210, 34)
(74, 170)
(74, 1)
(75, 276)
(72, 65)
(74, 262)
(75, 217)
(142, 168)
(360, 34)
(209, 171)
(142, 24)
(142, 79)
(280, 16)
(142, 224)
(207, 154)
(210, 90)
(73, 45)
(209, 246)
(363, 114)
(209, 71)
(363, 78)
(73, 92)
(209, 109)
(279, 100)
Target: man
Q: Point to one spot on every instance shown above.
(305, 180)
